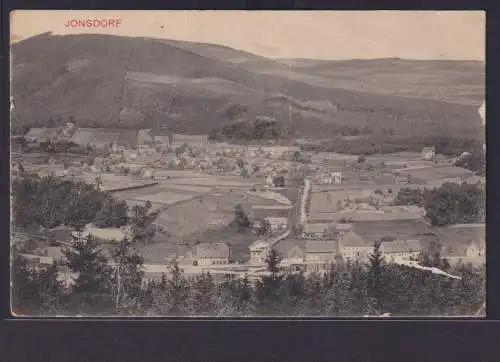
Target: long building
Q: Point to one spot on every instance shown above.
(191, 140)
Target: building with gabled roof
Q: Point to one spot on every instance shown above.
(277, 223)
(428, 153)
(258, 251)
(317, 230)
(212, 253)
(42, 134)
(290, 251)
(353, 246)
(321, 250)
(401, 248)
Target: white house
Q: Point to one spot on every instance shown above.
(343, 228)
(277, 223)
(353, 247)
(401, 248)
(317, 251)
(337, 177)
(476, 248)
(316, 231)
(290, 251)
(428, 153)
(259, 251)
(212, 253)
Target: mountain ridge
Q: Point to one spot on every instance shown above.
(85, 77)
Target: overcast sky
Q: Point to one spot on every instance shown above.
(297, 34)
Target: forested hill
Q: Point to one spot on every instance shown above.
(110, 81)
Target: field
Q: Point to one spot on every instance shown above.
(164, 194)
(199, 214)
(206, 218)
(166, 197)
(436, 173)
(377, 216)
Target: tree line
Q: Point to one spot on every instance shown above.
(372, 144)
(346, 289)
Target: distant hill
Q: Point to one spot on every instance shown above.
(110, 81)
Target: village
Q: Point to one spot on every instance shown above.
(313, 208)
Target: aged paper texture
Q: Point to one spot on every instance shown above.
(232, 163)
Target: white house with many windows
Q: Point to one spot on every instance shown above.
(401, 248)
(353, 247)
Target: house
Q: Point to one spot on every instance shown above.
(428, 153)
(402, 179)
(316, 231)
(317, 251)
(145, 138)
(277, 223)
(476, 248)
(352, 246)
(258, 251)
(401, 248)
(42, 134)
(269, 180)
(68, 129)
(191, 140)
(279, 181)
(343, 228)
(337, 177)
(212, 253)
(290, 251)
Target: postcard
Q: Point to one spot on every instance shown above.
(248, 164)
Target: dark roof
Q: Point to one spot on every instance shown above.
(397, 229)
(351, 239)
(212, 250)
(321, 246)
(318, 228)
(401, 246)
(287, 247)
(128, 138)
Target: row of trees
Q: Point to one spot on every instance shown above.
(346, 289)
(475, 161)
(373, 144)
(449, 204)
(250, 130)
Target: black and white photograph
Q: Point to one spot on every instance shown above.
(247, 163)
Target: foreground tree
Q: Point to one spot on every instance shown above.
(268, 288)
(240, 220)
(126, 277)
(375, 276)
(91, 293)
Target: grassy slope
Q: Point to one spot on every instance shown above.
(99, 90)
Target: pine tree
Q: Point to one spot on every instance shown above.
(202, 295)
(269, 286)
(91, 290)
(51, 291)
(245, 297)
(240, 218)
(24, 291)
(265, 228)
(375, 285)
